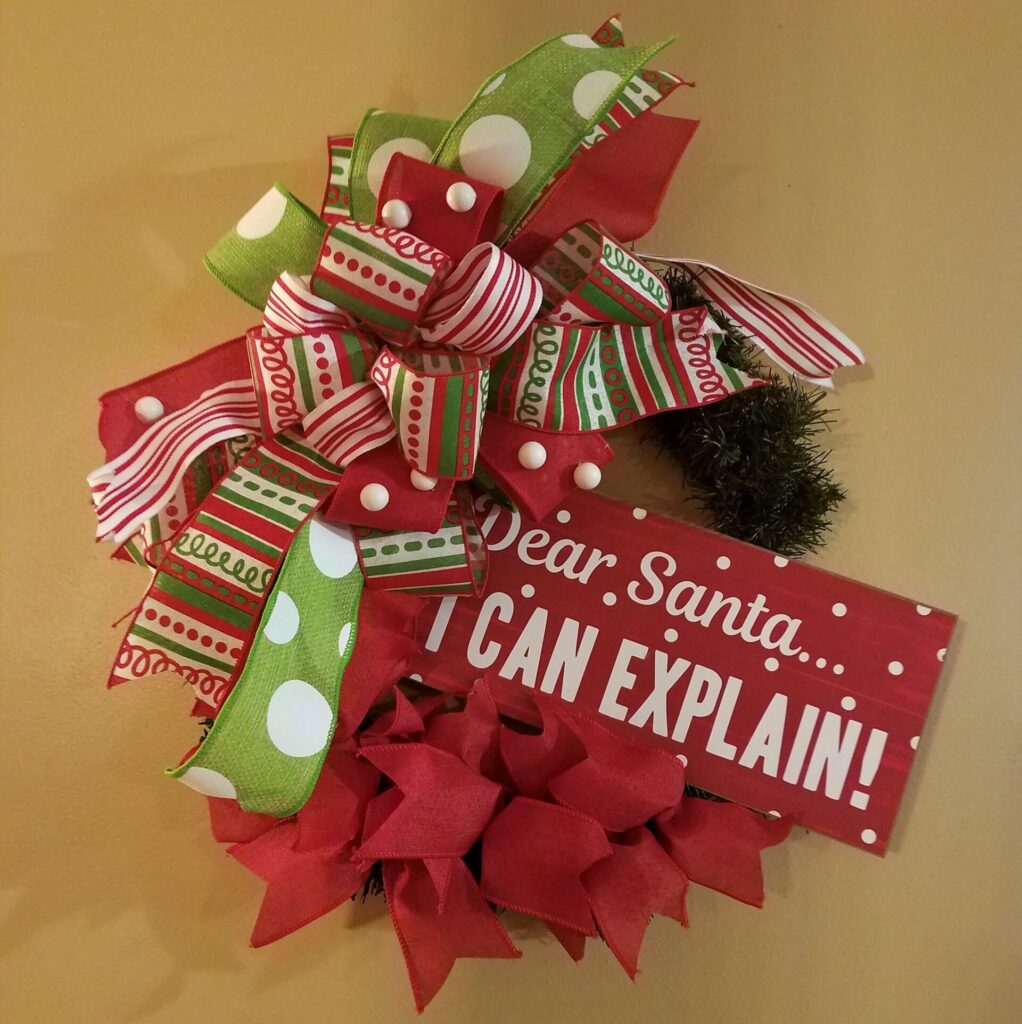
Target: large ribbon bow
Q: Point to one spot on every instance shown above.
(461, 309)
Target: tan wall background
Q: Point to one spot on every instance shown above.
(862, 155)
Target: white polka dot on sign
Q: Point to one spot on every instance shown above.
(528, 590)
(342, 638)
(838, 670)
(638, 513)
(298, 719)
(610, 599)
(895, 668)
(780, 561)
(839, 609)
(723, 562)
(683, 759)
(923, 610)
(564, 516)
(377, 166)
(264, 216)
(773, 814)
(869, 837)
(495, 84)
(771, 664)
(415, 677)
(670, 635)
(941, 653)
(592, 90)
(208, 783)
(821, 662)
(282, 625)
(848, 703)
(803, 657)
(914, 743)
(332, 548)
(580, 41)
(495, 149)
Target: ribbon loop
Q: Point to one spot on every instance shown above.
(349, 425)
(384, 276)
(450, 560)
(438, 400)
(485, 305)
(294, 375)
(278, 234)
(588, 278)
(580, 379)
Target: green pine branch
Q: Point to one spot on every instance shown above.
(754, 461)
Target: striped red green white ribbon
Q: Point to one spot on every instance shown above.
(351, 424)
(587, 277)
(437, 400)
(451, 560)
(137, 484)
(294, 375)
(383, 276)
(292, 308)
(485, 305)
(202, 607)
(579, 379)
(793, 334)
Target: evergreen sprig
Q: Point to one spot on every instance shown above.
(754, 461)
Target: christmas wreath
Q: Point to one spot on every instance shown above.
(445, 344)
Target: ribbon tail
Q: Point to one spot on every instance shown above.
(432, 939)
(718, 845)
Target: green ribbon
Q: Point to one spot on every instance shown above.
(526, 121)
(379, 137)
(267, 744)
(278, 234)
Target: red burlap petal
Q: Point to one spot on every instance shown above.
(230, 824)
(445, 808)
(532, 760)
(625, 889)
(404, 719)
(620, 784)
(432, 939)
(533, 856)
(332, 817)
(471, 734)
(574, 943)
(718, 845)
(300, 886)
(385, 645)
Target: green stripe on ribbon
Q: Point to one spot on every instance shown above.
(268, 743)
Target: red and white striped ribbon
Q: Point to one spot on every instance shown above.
(355, 421)
(142, 480)
(485, 305)
(292, 309)
(794, 335)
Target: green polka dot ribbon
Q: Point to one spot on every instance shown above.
(279, 234)
(267, 744)
(588, 278)
(379, 137)
(528, 119)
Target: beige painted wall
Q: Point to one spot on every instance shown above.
(863, 155)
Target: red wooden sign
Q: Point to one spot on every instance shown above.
(782, 687)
